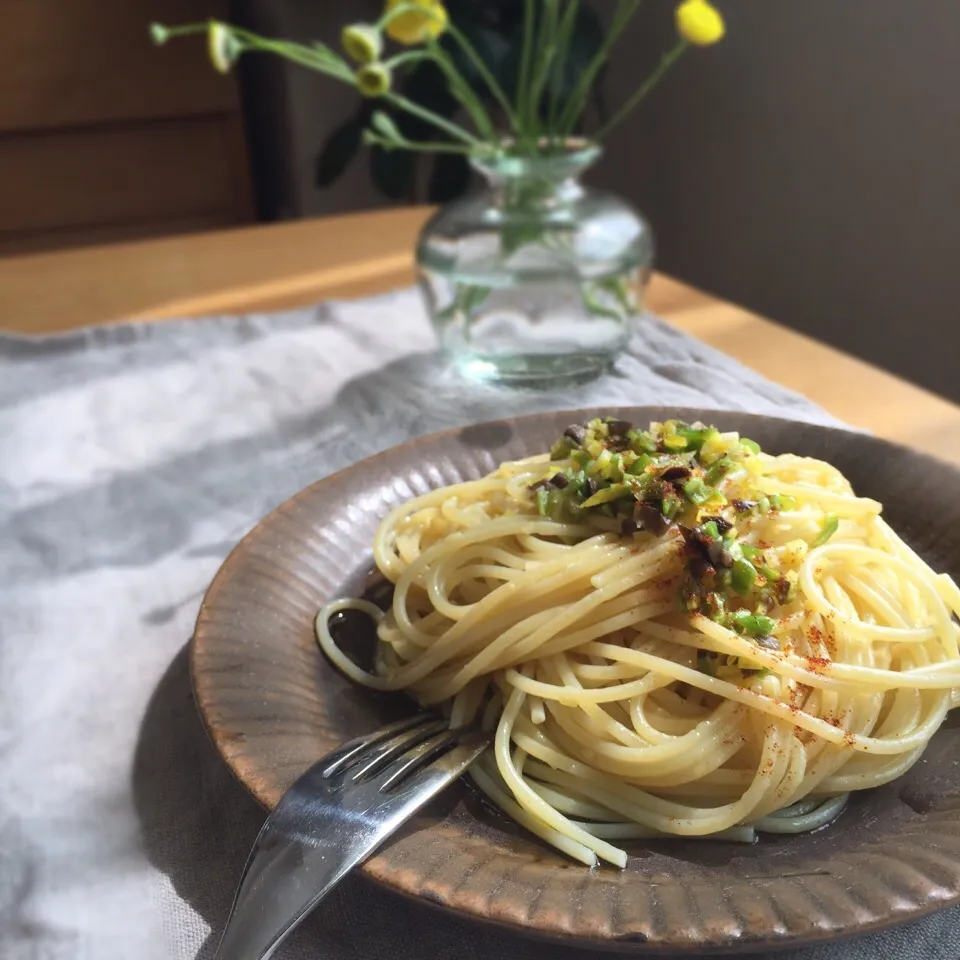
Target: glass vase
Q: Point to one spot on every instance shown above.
(537, 279)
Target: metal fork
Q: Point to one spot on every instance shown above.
(333, 818)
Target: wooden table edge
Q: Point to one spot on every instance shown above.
(273, 267)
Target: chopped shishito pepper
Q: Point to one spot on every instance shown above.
(711, 529)
(616, 491)
(743, 576)
(729, 667)
(718, 470)
(707, 663)
(641, 442)
(751, 624)
(666, 478)
(698, 492)
(827, 529)
(661, 468)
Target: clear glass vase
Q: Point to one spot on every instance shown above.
(538, 279)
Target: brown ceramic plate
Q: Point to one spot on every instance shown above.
(273, 705)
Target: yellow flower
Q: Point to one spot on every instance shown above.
(373, 80)
(224, 48)
(426, 22)
(699, 23)
(362, 42)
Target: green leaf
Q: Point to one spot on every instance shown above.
(427, 85)
(394, 172)
(587, 38)
(384, 124)
(449, 179)
(337, 153)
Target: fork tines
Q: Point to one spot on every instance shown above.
(395, 752)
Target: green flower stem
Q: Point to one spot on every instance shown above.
(323, 61)
(488, 78)
(185, 30)
(318, 57)
(564, 40)
(441, 123)
(463, 92)
(374, 139)
(459, 88)
(625, 12)
(666, 62)
(547, 51)
(526, 58)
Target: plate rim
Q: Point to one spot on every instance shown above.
(240, 767)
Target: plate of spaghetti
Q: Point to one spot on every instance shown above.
(717, 653)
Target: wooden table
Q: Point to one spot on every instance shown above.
(281, 266)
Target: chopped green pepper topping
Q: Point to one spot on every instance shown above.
(743, 576)
(714, 606)
(671, 505)
(707, 663)
(718, 470)
(695, 438)
(639, 466)
(543, 500)
(561, 449)
(608, 494)
(641, 442)
(711, 530)
(751, 445)
(751, 552)
(827, 529)
(751, 624)
(698, 492)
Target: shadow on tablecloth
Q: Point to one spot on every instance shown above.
(198, 825)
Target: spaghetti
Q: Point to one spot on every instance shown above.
(670, 631)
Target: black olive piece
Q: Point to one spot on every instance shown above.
(673, 474)
(628, 527)
(651, 519)
(619, 428)
(700, 569)
(722, 525)
(576, 432)
(559, 481)
(781, 590)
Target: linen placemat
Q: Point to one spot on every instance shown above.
(132, 458)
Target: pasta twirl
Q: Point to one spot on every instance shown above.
(671, 633)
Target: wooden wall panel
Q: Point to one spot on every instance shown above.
(122, 174)
(72, 62)
(103, 135)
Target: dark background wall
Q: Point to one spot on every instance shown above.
(808, 167)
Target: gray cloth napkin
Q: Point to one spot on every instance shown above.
(131, 459)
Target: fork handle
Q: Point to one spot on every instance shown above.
(277, 892)
(291, 869)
